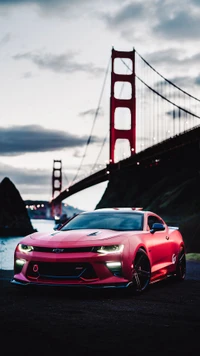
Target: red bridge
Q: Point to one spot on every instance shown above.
(163, 119)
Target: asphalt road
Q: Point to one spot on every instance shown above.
(165, 320)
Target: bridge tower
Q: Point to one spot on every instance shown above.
(56, 209)
(115, 134)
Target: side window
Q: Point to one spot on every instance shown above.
(153, 219)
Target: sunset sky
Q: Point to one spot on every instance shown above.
(54, 55)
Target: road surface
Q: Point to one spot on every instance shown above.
(165, 320)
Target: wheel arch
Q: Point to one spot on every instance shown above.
(142, 247)
(181, 247)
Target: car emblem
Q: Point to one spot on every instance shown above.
(58, 250)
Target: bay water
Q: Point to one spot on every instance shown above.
(8, 244)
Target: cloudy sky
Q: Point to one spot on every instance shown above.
(54, 56)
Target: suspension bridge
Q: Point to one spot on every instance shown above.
(149, 118)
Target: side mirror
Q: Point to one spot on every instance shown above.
(157, 227)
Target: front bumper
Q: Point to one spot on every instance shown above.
(72, 285)
(71, 270)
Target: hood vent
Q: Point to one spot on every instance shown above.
(95, 233)
(55, 233)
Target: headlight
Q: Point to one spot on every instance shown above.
(109, 249)
(25, 248)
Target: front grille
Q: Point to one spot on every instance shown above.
(60, 270)
(63, 250)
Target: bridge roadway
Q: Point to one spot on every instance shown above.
(161, 151)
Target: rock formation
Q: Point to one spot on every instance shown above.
(14, 219)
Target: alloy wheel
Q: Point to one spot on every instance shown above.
(141, 272)
(181, 266)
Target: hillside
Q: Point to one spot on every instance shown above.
(16, 214)
(14, 219)
(170, 188)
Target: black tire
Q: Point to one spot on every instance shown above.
(181, 266)
(141, 272)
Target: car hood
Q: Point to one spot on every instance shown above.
(73, 236)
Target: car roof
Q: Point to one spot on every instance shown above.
(119, 210)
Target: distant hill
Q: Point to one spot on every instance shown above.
(14, 219)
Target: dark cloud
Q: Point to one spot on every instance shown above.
(43, 3)
(32, 181)
(168, 56)
(185, 81)
(38, 181)
(195, 2)
(140, 20)
(61, 8)
(25, 176)
(177, 114)
(28, 181)
(125, 15)
(18, 140)
(62, 63)
(92, 112)
(181, 82)
(172, 58)
(183, 25)
(16, 2)
(197, 80)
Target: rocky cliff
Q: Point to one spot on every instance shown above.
(14, 219)
(170, 187)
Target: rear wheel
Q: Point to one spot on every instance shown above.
(181, 266)
(141, 272)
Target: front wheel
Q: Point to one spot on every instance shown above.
(141, 272)
(181, 266)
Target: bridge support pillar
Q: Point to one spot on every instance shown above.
(56, 209)
(115, 134)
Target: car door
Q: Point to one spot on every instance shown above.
(159, 247)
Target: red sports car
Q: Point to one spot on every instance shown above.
(104, 248)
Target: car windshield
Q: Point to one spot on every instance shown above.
(112, 221)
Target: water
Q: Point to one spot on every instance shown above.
(8, 244)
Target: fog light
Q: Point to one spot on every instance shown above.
(113, 264)
(115, 267)
(19, 263)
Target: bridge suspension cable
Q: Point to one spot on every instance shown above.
(163, 97)
(167, 80)
(101, 149)
(94, 120)
(169, 101)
